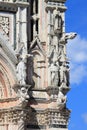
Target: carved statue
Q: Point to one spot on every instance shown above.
(61, 100)
(57, 21)
(64, 73)
(21, 66)
(54, 74)
(54, 67)
(21, 70)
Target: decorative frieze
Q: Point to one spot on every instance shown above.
(48, 118)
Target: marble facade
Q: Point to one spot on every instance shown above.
(34, 67)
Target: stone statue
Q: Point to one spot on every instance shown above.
(64, 73)
(54, 67)
(57, 21)
(21, 66)
(54, 74)
(21, 70)
(61, 100)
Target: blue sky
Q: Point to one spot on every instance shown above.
(76, 21)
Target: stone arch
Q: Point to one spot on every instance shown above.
(7, 78)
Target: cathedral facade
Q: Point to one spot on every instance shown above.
(34, 67)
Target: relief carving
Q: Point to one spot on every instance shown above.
(4, 24)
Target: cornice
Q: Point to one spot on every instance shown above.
(62, 8)
(12, 6)
(55, 1)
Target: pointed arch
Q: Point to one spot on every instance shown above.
(7, 75)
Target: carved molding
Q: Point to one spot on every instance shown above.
(52, 7)
(48, 117)
(12, 115)
(12, 6)
(35, 117)
(55, 1)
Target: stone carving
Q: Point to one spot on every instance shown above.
(67, 36)
(21, 71)
(4, 24)
(61, 100)
(54, 67)
(54, 73)
(71, 35)
(62, 57)
(21, 66)
(64, 73)
(23, 94)
(57, 21)
(63, 67)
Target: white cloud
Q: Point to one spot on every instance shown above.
(84, 116)
(78, 74)
(77, 53)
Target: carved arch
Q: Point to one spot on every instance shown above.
(7, 77)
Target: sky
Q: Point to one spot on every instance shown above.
(76, 21)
